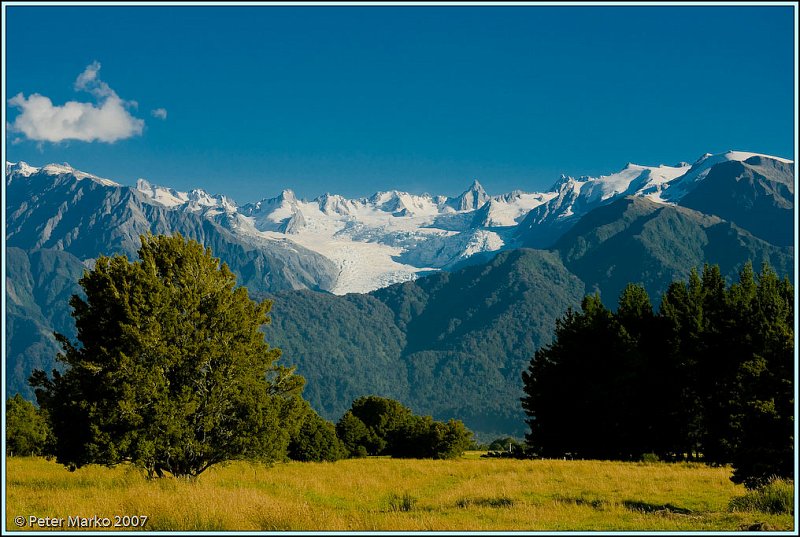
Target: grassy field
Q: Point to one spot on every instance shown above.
(387, 494)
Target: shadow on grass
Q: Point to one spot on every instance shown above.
(598, 505)
(644, 507)
(498, 502)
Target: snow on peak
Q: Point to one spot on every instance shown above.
(703, 158)
(568, 186)
(709, 159)
(26, 170)
(633, 179)
(194, 200)
(509, 209)
(66, 169)
(288, 195)
(475, 186)
(334, 204)
(21, 168)
(167, 197)
(392, 236)
(472, 198)
(700, 169)
(744, 155)
(401, 204)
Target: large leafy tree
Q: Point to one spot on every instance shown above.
(171, 372)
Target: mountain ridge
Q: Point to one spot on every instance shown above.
(395, 236)
(453, 303)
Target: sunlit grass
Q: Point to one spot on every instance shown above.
(388, 494)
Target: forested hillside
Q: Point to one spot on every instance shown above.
(450, 345)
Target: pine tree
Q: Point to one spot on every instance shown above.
(578, 389)
(764, 419)
(709, 377)
(172, 372)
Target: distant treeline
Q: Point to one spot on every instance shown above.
(708, 377)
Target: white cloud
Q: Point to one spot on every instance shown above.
(160, 113)
(108, 120)
(88, 81)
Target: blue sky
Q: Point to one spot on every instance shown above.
(245, 101)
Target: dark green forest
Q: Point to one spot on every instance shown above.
(708, 377)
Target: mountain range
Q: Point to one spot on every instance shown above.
(437, 301)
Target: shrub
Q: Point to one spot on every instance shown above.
(404, 502)
(502, 444)
(650, 458)
(423, 438)
(775, 497)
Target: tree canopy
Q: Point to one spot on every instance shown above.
(171, 371)
(708, 377)
(380, 426)
(27, 432)
(316, 441)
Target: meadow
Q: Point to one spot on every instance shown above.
(467, 494)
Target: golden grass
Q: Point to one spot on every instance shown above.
(386, 494)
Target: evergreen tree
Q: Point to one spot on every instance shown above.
(709, 377)
(765, 420)
(172, 372)
(682, 315)
(578, 389)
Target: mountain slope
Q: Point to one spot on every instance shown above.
(463, 338)
(451, 344)
(757, 194)
(471, 333)
(358, 245)
(637, 240)
(39, 284)
(574, 198)
(87, 218)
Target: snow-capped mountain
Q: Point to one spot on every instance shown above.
(648, 224)
(573, 198)
(23, 169)
(374, 241)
